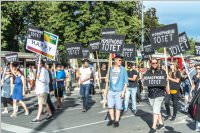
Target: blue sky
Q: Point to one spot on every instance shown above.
(186, 14)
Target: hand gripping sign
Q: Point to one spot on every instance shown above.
(155, 79)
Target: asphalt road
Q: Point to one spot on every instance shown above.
(72, 120)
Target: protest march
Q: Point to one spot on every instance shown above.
(86, 75)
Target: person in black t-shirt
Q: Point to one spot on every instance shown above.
(195, 89)
(102, 76)
(131, 89)
(156, 96)
(174, 85)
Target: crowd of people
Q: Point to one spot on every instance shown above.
(116, 87)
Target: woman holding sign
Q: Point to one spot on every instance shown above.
(174, 77)
(156, 96)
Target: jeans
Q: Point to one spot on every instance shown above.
(84, 92)
(174, 98)
(132, 92)
(197, 125)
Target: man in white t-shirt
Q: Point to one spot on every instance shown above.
(42, 90)
(84, 80)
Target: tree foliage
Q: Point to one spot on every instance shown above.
(73, 21)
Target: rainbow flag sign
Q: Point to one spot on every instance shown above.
(42, 42)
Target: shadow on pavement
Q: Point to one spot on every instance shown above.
(170, 130)
(145, 117)
(191, 124)
(68, 103)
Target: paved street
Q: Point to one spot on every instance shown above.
(72, 120)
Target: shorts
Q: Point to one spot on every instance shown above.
(103, 85)
(5, 101)
(114, 100)
(67, 84)
(156, 104)
(42, 98)
(59, 92)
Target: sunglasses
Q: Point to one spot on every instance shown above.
(198, 68)
(120, 60)
(154, 63)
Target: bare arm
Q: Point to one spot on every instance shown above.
(23, 84)
(174, 80)
(11, 85)
(133, 78)
(192, 88)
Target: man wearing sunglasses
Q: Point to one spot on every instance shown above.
(118, 79)
(156, 96)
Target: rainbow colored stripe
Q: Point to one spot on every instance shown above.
(40, 52)
(52, 39)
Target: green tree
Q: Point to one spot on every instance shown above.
(73, 21)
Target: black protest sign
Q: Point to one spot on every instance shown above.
(35, 33)
(197, 48)
(86, 52)
(164, 36)
(112, 44)
(94, 45)
(12, 57)
(151, 79)
(174, 50)
(129, 52)
(74, 51)
(144, 56)
(148, 50)
(183, 42)
(107, 31)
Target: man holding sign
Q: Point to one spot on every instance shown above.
(118, 78)
(156, 89)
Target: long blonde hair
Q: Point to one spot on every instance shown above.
(175, 70)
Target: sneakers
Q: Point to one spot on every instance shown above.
(35, 120)
(173, 118)
(116, 124)
(152, 130)
(167, 117)
(110, 122)
(49, 117)
(160, 127)
(4, 112)
(13, 115)
(84, 110)
(27, 112)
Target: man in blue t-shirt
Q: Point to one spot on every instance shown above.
(60, 85)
